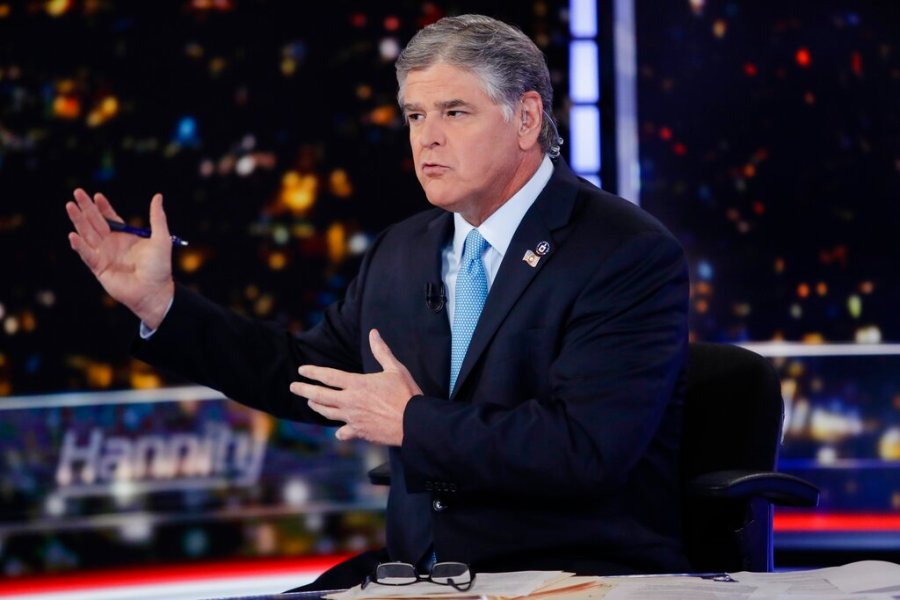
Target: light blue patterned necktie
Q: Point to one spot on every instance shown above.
(471, 292)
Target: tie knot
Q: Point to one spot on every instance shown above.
(474, 246)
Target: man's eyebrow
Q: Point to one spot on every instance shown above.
(442, 105)
(455, 103)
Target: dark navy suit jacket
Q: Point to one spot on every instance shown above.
(559, 447)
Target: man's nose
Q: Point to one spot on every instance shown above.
(431, 133)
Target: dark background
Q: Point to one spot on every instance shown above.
(770, 145)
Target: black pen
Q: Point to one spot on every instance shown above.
(141, 232)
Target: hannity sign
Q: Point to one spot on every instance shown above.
(215, 455)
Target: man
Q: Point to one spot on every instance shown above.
(544, 436)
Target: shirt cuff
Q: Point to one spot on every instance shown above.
(146, 332)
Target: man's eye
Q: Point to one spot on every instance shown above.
(413, 117)
(455, 113)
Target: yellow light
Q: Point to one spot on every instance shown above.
(264, 305)
(109, 107)
(288, 66)
(854, 306)
(217, 65)
(337, 242)
(340, 185)
(29, 323)
(796, 369)
(720, 28)
(190, 261)
(889, 444)
(779, 265)
(11, 325)
(4, 10)
(57, 8)
(298, 192)
(145, 381)
(384, 115)
(103, 112)
(277, 261)
(66, 107)
(99, 375)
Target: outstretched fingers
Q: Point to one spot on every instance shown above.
(93, 223)
(87, 254)
(105, 208)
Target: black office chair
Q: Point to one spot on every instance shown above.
(732, 432)
(733, 418)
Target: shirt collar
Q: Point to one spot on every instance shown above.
(499, 228)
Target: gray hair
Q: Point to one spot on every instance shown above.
(506, 61)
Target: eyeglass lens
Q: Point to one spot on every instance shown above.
(443, 572)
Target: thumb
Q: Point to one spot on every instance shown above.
(159, 227)
(382, 353)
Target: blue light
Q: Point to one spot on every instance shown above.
(583, 18)
(584, 83)
(704, 270)
(186, 132)
(584, 132)
(584, 90)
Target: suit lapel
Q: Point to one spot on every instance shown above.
(542, 223)
(434, 334)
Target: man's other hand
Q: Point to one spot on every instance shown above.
(371, 405)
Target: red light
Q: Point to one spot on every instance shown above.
(391, 23)
(750, 69)
(837, 522)
(358, 20)
(665, 134)
(803, 57)
(680, 149)
(856, 63)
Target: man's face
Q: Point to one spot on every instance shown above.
(467, 155)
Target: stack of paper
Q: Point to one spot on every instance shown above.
(547, 585)
(866, 580)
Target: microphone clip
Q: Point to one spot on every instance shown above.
(435, 297)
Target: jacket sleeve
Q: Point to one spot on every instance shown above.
(612, 381)
(252, 361)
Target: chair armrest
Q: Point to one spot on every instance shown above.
(778, 488)
(381, 475)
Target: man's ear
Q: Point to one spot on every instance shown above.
(531, 119)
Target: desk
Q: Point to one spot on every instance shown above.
(872, 580)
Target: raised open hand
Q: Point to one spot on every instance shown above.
(135, 271)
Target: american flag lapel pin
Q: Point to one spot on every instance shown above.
(533, 257)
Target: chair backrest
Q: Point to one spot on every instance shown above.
(733, 416)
